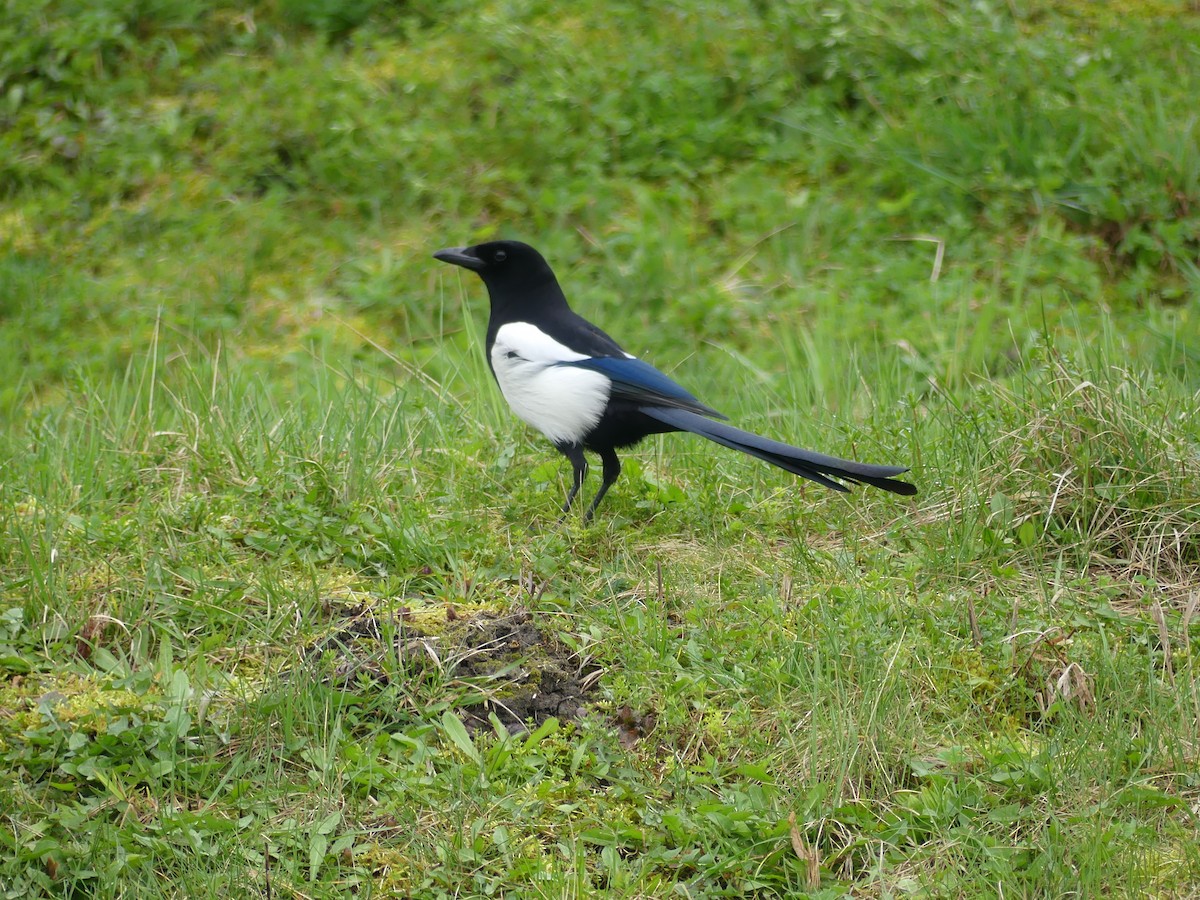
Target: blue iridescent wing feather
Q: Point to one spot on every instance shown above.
(638, 381)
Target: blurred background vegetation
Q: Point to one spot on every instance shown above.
(253, 170)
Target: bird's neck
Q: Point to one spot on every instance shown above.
(526, 302)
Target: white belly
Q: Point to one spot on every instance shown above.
(562, 402)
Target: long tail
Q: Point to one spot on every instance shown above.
(806, 464)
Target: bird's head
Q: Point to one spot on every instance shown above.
(503, 265)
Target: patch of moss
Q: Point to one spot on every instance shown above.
(87, 702)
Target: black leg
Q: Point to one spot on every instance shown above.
(579, 468)
(612, 470)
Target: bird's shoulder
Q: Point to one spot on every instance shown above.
(574, 335)
(574, 331)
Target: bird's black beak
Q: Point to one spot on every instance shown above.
(459, 256)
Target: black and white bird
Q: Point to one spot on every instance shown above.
(573, 383)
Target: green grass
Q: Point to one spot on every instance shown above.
(259, 496)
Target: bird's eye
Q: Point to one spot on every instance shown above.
(500, 256)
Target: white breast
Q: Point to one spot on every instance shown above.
(562, 402)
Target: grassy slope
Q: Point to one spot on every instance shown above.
(237, 394)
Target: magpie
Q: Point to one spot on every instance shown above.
(573, 383)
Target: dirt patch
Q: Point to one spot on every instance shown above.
(500, 663)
